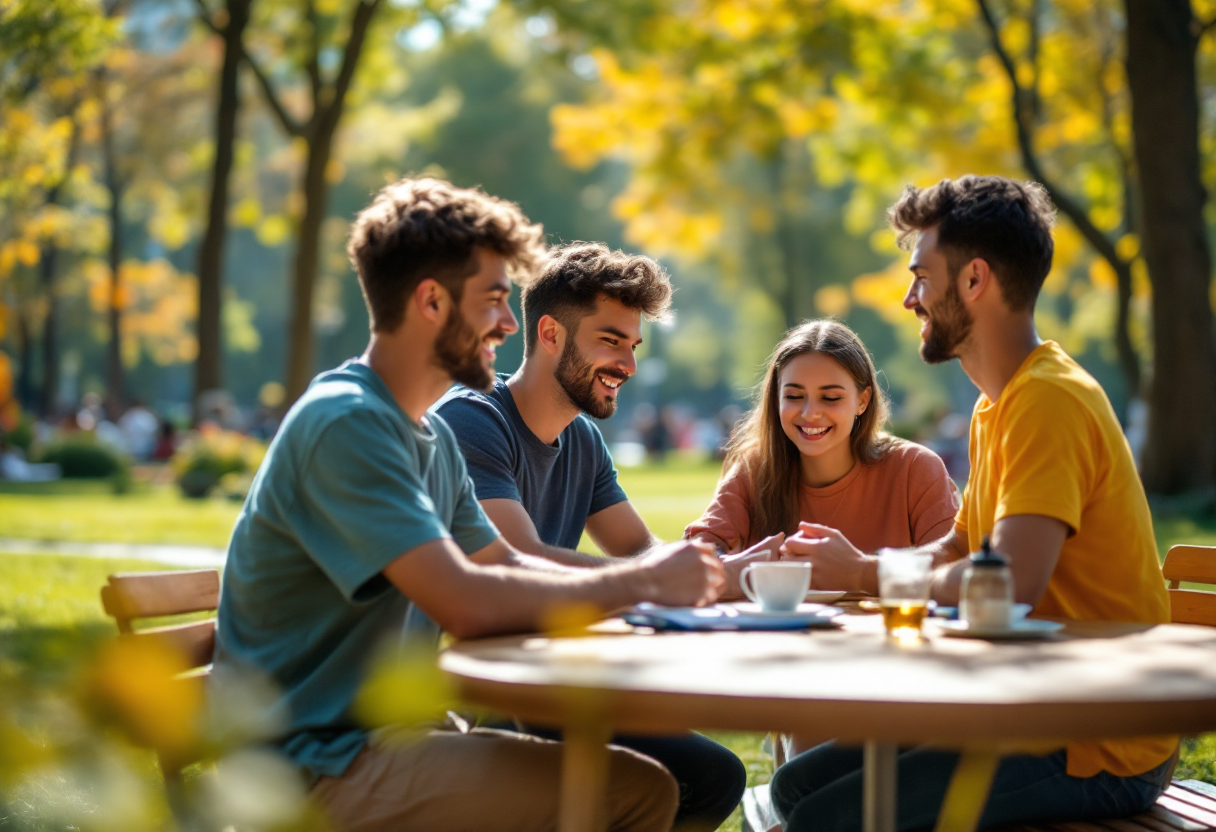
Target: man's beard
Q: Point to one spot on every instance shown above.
(577, 378)
(458, 351)
(949, 326)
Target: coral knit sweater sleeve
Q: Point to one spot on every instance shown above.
(905, 499)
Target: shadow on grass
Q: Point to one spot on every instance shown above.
(68, 488)
(51, 656)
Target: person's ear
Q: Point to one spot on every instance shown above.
(976, 279)
(432, 300)
(863, 401)
(550, 335)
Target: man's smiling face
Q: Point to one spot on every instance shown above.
(934, 297)
(466, 346)
(598, 358)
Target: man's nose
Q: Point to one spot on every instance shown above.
(629, 364)
(911, 301)
(507, 323)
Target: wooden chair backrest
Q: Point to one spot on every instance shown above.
(129, 596)
(1193, 564)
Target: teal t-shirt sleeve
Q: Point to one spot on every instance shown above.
(607, 491)
(486, 441)
(471, 528)
(362, 501)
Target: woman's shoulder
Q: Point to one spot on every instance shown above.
(903, 453)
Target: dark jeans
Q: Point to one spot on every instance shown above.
(821, 790)
(711, 777)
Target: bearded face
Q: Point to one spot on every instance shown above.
(578, 377)
(947, 326)
(460, 352)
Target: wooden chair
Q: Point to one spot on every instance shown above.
(128, 597)
(1193, 564)
(1187, 805)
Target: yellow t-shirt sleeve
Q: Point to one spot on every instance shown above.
(1047, 448)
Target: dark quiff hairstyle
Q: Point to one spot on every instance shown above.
(575, 276)
(1003, 221)
(759, 444)
(420, 228)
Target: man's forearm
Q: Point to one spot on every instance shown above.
(499, 602)
(570, 558)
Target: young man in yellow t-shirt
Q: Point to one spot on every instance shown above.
(1052, 481)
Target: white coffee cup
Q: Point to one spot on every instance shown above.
(776, 586)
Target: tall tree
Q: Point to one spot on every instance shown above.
(1162, 39)
(230, 27)
(1026, 111)
(116, 181)
(327, 99)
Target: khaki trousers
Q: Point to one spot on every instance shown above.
(483, 781)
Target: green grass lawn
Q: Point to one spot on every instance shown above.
(81, 511)
(50, 612)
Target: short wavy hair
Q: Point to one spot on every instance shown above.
(1003, 221)
(575, 276)
(428, 228)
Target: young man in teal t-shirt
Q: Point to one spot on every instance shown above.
(362, 512)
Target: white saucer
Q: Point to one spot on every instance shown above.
(803, 610)
(1025, 629)
(824, 596)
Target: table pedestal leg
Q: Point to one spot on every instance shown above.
(968, 792)
(879, 787)
(584, 789)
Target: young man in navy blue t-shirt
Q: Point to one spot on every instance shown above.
(542, 471)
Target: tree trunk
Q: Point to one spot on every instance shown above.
(1161, 46)
(114, 399)
(304, 272)
(208, 369)
(328, 104)
(49, 403)
(47, 274)
(25, 359)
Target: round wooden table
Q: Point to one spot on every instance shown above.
(1094, 680)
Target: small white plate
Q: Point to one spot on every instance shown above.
(824, 596)
(748, 608)
(1024, 629)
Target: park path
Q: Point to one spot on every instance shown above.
(181, 556)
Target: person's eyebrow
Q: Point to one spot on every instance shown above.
(503, 286)
(613, 331)
(831, 387)
(793, 384)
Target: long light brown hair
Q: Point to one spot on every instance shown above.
(767, 455)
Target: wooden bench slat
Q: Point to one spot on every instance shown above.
(1186, 810)
(1135, 823)
(1198, 787)
(194, 641)
(1175, 821)
(1146, 820)
(1078, 826)
(149, 594)
(1196, 564)
(1193, 606)
(1196, 799)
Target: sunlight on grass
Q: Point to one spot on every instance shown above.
(89, 512)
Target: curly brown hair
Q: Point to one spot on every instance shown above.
(1003, 221)
(420, 228)
(575, 276)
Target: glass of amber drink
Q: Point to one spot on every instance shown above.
(904, 580)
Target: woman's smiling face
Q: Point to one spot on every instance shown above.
(819, 401)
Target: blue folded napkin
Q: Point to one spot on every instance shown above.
(726, 617)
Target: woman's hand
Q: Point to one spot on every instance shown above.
(836, 563)
(767, 549)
